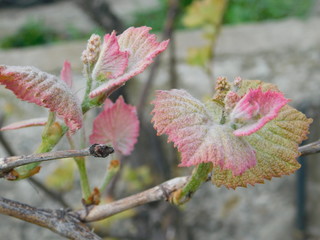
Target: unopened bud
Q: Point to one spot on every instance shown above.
(231, 100)
(91, 54)
(222, 87)
(237, 81)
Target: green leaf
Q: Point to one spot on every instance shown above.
(199, 56)
(204, 12)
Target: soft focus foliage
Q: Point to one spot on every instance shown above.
(62, 178)
(118, 125)
(240, 11)
(199, 56)
(204, 12)
(207, 14)
(43, 89)
(30, 34)
(137, 178)
(237, 11)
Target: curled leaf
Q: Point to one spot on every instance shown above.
(255, 109)
(118, 125)
(141, 47)
(193, 129)
(111, 62)
(32, 85)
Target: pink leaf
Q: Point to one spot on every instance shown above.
(256, 109)
(118, 125)
(43, 89)
(25, 123)
(111, 62)
(142, 48)
(198, 137)
(66, 73)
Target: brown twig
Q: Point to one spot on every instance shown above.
(64, 223)
(101, 13)
(9, 163)
(157, 193)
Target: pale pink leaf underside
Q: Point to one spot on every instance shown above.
(142, 47)
(43, 89)
(66, 74)
(112, 62)
(198, 138)
(118, 125)
(25, 123)
(257, 108)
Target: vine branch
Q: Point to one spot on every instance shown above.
(156, 193)
(310, 148)
(62, 222)
(9, 163)
(70, 224)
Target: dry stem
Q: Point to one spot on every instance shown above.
(157, 193)
(60, 221)
(9, 163)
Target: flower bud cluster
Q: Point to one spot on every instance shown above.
(222, 87)
(91, 54)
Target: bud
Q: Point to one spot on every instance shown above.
(230, 101)
(222, 87)
(237, 82)
(91, 54)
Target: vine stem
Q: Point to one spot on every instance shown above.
(62, 222)
(160, 192)
(310, 148)
(112, 170)
(84, 180)
(9, 163)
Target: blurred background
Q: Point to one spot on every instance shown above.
(275, 41)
